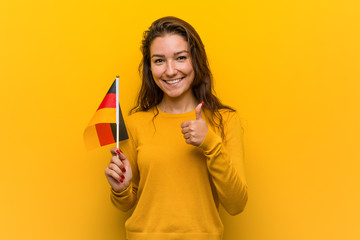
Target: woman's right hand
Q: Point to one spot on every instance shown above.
(118, 171)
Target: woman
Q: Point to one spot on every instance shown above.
(184, 153)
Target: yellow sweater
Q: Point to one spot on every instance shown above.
(177, 187)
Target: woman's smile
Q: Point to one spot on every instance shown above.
(173, 82)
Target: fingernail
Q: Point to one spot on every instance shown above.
(117, 151)
(123, 169)
(121, 180)
(122, 176)
(202, 103)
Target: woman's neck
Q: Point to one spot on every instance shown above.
(178, 105)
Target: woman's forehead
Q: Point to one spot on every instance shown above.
(169, 44)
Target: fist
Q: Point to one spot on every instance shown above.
(195, 131)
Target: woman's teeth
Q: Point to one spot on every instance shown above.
(173, 81)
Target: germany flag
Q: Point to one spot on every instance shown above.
(101, 130)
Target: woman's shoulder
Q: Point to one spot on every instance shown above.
(140, 116)
(228, 117)
(225, 113)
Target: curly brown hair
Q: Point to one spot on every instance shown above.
(150, 94)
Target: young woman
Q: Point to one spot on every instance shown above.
(184, 154)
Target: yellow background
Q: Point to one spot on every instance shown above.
(291, 68)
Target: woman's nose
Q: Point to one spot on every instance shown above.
(170, 68)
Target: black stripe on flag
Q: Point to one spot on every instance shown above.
(122, 128)
(112, 88)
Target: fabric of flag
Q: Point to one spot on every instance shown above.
(101, 130)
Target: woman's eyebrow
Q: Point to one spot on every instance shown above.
(175, 54)
(157, 55)
(180, 52)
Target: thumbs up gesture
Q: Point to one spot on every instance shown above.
(194, 131)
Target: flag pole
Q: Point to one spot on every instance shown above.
(117, 112)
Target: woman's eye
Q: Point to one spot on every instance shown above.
(158, 61)
(182, 58)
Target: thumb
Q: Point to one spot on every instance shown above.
(198, 111)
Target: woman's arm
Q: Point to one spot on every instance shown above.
(225, 163)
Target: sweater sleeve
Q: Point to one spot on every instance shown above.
(225, 164)
(126, 199)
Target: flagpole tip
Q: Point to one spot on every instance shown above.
(117, 76)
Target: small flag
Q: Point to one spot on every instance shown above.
(106, 122)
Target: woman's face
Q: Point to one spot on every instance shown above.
(171, 65)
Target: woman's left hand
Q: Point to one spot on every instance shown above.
(195, 131)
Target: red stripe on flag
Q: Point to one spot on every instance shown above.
(109, 101)
(104, 133)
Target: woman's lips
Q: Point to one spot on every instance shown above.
(174, 81)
